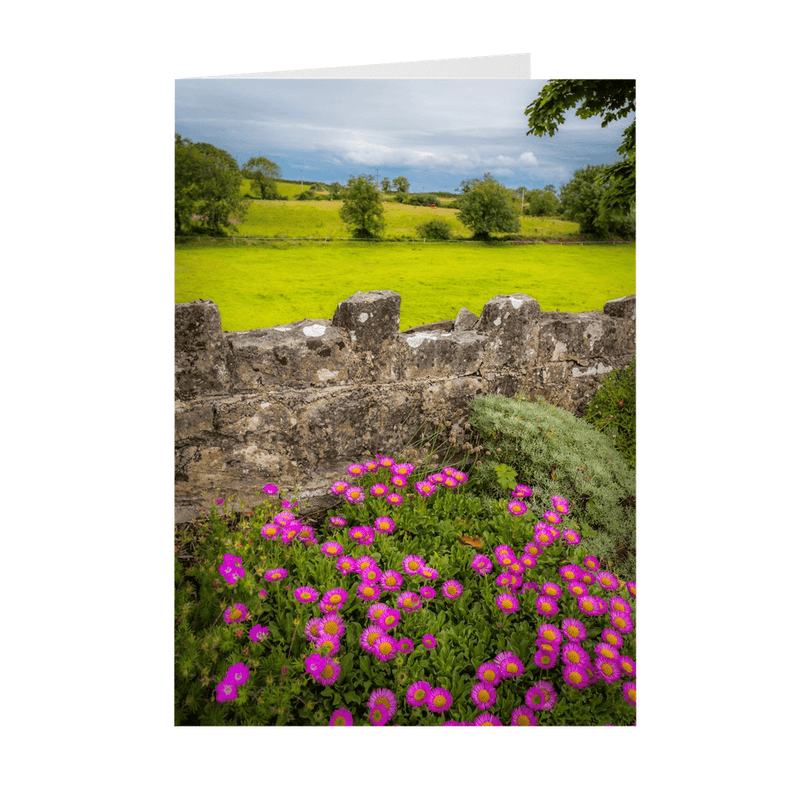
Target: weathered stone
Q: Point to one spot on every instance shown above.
(621, 307)
(295, 404)
(204, 363)
(465, 321)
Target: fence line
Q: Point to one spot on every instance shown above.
(233, 239)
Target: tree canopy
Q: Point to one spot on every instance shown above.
(207, 185)
(582, 201)
(488, 207)
(609, 99)
(262, 174)
(362, 210)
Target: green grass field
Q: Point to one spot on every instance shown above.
(320, 219)
(260, 285)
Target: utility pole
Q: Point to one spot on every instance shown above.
(522, 201)
(301, 180)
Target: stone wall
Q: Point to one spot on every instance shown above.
(295, 404)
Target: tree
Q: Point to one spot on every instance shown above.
(582, 201)
(385, 184)
(486, 206)
(401, 185)
(362, 210)
(611, 99)
(262, 174)
(335, 190)
(542, 202)
(207, 185)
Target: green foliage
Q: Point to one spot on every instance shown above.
(470, 629)
(401, 185)
(362, 209)
(557, 453)
(422, 200)
(335, 191)
(488, 207)
(207, 185)
(582, 201)
(612, 411)
(542, 203)
(263, 174)
(610, 99)
(434, 229)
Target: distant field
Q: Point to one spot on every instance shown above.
(320, 218)
(260, 285)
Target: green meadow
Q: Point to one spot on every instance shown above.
(263, 284)
(320, 219)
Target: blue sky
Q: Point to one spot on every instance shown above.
(435, 133)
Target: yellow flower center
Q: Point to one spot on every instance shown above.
(607, 668)
(371, 637)
(575, 677)
(572, 630)
(335, 598)
(385, 648)
(627, 667)
(523, 719)
(632, 694)
(619, 622)
(235, 614)
(483, 696)
(546, 606)
(439, 700)
(507, 603)
(331, 627)
(327, 672)
(512, 668)
(573, 657)
(339, 721)
(369, 591)
(489, 675)
(419, 694)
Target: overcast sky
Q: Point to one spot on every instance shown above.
(435, 133)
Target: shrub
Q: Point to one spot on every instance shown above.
(434, 229)
(612, 411)
(486, 206)
(269, 665)
(558, 453)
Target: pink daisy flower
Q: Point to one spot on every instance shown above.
(331, 549)
(226, 691)
(550, 633)
(541, 696)
(369, 636)
(418, 693)
(384, 461)
(522, 490)
(439, 700)
(339, 487)
(335, 597)
(551, 590)
(235, 614)
(613, 637)
(371, 574)
(489, 672)
(452, 589)
(622, 622)
(437, 478)
(577, 588)
(450, 482)
(546, 606)
(522, 715)
(573, 653)
(560, 504)
(507, 603)
(629, 692)
(544, 536)
(306, 594)
(517, 507)
(354, 494)
(371, 465)
(608, 581)
(341, 717)
(589, 605)
(398, 481)
(631, 587)
(504, 579)
(428, 573)
(379, 490)
(487, 720)
(385, 698)
(628, 666)
(378, 716)
(570, 572)
(345, 564)
(356, 469)
(591, 563)
(369, 592)
(483, 695)
(608, 668)
(271, 530)
(327, 645)
(275, 574)
(425, 488)
(409, 601)
(329, 673)
(571, 537)
(510, 666)
(402, 469)
(237, 674)
(312, 628)
(429, 641)
(412, 564)
(258, 633)
(389, 619)
(332, 625)
(574, 629)
(427, 592)
(384, 524)
(551, 518)
(391, 580)
(617, 603)
(461, 477)
(544, 660)
(481, 565)
(533, 549)
(394, 499)
(385, 647)
(405, 645)
(575, 675)
(360, 532)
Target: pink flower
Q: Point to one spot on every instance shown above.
(429, 641)
(271, 488)
(517, 507)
